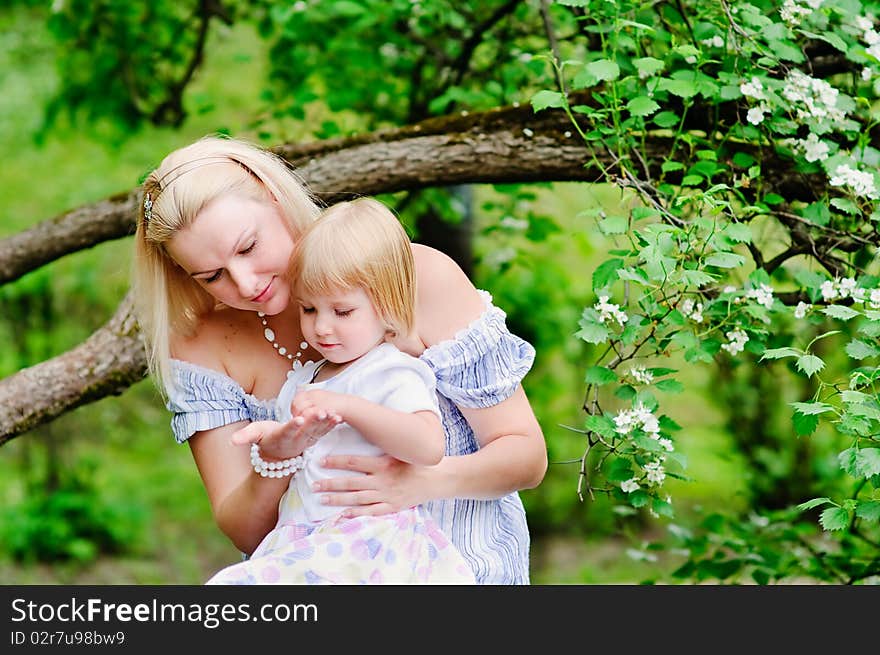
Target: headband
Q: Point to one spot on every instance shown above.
(192, 165)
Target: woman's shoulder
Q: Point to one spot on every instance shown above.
(446, 300)
(214, 340)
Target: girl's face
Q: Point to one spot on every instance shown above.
(238, 250)
(342, 326)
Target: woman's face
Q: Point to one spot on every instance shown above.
(239, 251)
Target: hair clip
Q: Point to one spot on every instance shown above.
(148, 208)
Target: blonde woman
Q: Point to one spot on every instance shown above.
(218, 225)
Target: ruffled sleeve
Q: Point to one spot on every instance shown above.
(203, 399)
(484, 363)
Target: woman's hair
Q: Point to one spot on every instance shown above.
(360, 243)
(166, 298)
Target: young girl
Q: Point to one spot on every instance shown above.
(355, 287)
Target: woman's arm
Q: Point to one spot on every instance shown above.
(245, 505)
(512, 452)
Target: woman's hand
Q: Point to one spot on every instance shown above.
(388, 485)
(284, 440)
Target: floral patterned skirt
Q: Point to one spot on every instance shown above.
(407, 547)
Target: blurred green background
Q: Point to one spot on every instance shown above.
(103, 495)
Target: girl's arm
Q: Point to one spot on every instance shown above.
(512, 452)
(414, 437)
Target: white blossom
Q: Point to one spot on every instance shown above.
(867, 73)
(829, 290)
(609, 310)
(813, 99)
(753, 89)
(715, 42)
(654, 472)
(861, 182)
(642, 375)
(763, 295)
(755, 115)
(813, 148)
(801, 310)
(875, 299)
(666, 443)
(864, 23)
(793, 12)
(640, 417)
(512, 223)
(737, 339)
(846, 285)
(628, 486)
(692, 310)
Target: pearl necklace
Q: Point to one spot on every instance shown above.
(269, 333)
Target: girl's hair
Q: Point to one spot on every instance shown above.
(360, 243)
(167, 300)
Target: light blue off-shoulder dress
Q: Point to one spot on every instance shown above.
(480, 367)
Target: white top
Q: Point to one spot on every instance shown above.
(385, 376)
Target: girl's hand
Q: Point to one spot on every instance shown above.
(284, 440)
(319, 403)
(389, 485)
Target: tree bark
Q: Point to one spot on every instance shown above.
(107, 363)
(504, 145)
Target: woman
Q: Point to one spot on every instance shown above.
(218, 225)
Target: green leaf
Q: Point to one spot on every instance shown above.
(845, 205)
(849, 396)
(841, 312)
(696, 278)
(869, 510)
(804, 424)
(648, 65)
(725, 260)
(739, 232)
(867, 462)
(606, 273)
(613, 225)
(600, 375)
(829, 37)
(593, 333)
(810, 364)
(600, 425)
(834, 518)
(669, 166)
(670, 386)
(619, 470)
(815, 502)
(544, 99)
(777, 353)
(603, 69)
(666, 119)
(817, 213)
(661, 507)
(642, 106)
(638, 498)
(812, 408)
(860, 350)
(680, 88)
